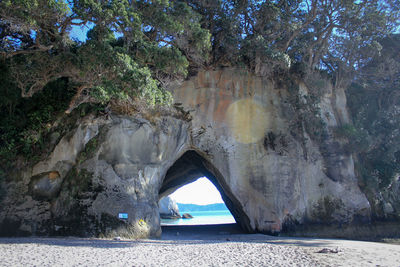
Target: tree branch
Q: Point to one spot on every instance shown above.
(30, 50)
(313, 12)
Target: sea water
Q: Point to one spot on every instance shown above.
(202, 218)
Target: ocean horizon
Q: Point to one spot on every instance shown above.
(202, 218)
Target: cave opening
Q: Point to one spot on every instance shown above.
(192, 166)
(196, 203)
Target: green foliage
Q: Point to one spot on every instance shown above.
(357, 139)
(89, 150)
(221, 19)
(374, 101)
(337, 36)
(305, 111)
(25, 126)
(157, 42)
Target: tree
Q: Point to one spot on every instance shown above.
(156, 42)
(221, 19)
(339, 36)
(136, 47)
(374, 101)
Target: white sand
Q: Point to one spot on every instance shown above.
(191, 250)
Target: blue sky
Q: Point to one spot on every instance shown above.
(200, 192)
(79, 32)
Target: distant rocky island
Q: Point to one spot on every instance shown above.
(169, 209)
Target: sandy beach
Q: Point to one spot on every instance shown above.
(196, 248)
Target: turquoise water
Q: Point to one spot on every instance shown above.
(203, 218)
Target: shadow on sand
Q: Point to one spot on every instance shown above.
(183, 235)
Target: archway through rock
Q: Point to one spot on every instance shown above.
(191, 166)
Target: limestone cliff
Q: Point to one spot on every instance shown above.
(246, 128)
(268, 147)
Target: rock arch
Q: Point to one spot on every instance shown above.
(243, 136)
(190, 166)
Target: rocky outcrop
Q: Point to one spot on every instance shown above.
(168, 208)
(249, 135)
(187, 216)
(105, 166)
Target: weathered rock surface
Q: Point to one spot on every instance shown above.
(242, 125)
(243, 136)
(168, 208)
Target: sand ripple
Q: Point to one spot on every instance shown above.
(239, 250)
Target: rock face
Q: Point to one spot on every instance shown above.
(245, 136)
(168, 208)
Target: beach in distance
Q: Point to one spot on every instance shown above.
(203, 218)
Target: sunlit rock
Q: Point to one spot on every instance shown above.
(275, 164)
